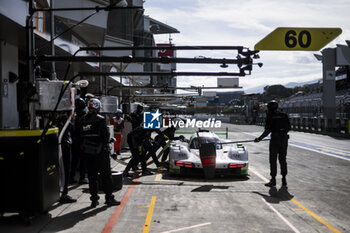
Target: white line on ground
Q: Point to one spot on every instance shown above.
(300, 205)
(281, 216)
(187, 228)
(321, 152)
(292, 143)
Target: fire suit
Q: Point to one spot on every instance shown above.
(94, 137)
(138, 141)
(277, 123)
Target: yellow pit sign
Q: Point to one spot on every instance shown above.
(286, 38)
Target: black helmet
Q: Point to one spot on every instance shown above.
(272, 106)
(79, 103)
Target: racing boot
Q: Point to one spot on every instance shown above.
(164, 164)
(271, 183)
(67, 199)
(284, 181)
(94, 203)
(83, 181)
(147, 173)
(112, 202)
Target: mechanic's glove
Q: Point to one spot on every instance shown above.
(182, 138)
(257, 140)
(112, 140)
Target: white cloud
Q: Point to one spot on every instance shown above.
(233, 22)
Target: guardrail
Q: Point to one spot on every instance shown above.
(317, 125)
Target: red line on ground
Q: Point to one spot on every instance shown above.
(111, 222)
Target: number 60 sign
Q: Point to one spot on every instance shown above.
(285, 38)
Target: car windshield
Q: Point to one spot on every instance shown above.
(197, 142)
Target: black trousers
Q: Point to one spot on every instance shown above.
(137, 158)
(77, 158)
(278, 149)
(66, 156)
(159, 143)
(152, 149)
(166, 153)
(99, 163)
(152, 153)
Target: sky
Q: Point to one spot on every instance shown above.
(245, 23)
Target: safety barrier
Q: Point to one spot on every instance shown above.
(340, 127)
(320, 125)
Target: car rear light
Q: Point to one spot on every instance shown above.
(236, 165)
(183, 164)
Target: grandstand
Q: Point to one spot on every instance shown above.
(305, 109)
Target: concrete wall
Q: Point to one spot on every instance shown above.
(8, 99)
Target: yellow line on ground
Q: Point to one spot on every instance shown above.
(143, 207)
(300, 205)
(296, 209)
(149, 215)
(158, 176)
(315, 216)
(258, 174)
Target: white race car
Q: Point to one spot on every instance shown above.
(185, 158)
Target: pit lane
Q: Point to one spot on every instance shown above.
(316, 199)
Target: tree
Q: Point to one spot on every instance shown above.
(276, 92)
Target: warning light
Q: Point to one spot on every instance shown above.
(235, 165)
(184, 164)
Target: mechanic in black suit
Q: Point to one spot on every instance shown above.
(137, 117)
(277, 123)
(140, 143)
(77, 157)
(94, 137)
(161, 141)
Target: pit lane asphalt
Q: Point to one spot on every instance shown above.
(316, 199)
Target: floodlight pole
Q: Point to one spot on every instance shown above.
(329, 103)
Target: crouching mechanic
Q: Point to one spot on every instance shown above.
(170, 133)
(277, 123)
(94, 137)
(139, 143)
(161, 141)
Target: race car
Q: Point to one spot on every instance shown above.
(185, 158)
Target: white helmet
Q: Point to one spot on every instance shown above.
(94, 104)
(119, 111)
